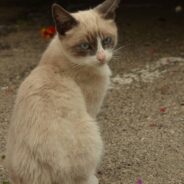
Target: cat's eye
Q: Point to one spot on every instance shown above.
(85, 46)
(107, 41)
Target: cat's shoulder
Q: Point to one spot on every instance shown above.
(41, 74)
(46, 77)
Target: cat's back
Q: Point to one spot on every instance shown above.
(46, 86)
(46, 81)
(45, 96)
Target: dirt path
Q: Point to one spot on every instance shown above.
(142, 120)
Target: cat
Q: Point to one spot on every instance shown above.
(53, 136)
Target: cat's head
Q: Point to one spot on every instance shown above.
(88, 37)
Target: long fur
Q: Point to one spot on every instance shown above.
(54, 137)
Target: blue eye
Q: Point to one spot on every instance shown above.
(107, 41)
(84, 46)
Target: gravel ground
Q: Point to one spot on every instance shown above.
(142, 120)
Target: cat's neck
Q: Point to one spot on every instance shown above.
(55, 57)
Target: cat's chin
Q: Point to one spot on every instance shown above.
(91, 64)
(85, 62)
(101, 64)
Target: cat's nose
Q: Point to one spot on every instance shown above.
(101, 56)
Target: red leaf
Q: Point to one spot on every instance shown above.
(162, 109)
(48, 32)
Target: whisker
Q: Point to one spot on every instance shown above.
(122, 47)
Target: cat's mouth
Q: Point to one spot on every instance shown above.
(102, 62)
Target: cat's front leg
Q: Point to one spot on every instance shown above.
(93, 180)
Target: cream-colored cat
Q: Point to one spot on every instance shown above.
(53, 136)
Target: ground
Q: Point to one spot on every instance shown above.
(142, 119)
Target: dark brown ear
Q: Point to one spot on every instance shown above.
(64, 21)
(108, 8)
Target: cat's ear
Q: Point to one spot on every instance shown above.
(64, 21)
(107, 8)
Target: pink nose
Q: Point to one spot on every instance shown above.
(101, 56)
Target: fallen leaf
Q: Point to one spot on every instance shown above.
(163, 109)
(48, 32)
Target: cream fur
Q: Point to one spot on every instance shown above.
(54, 137)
